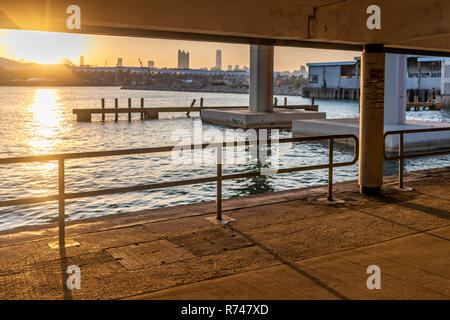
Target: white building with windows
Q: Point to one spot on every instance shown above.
(337, 79)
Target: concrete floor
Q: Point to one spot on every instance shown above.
(285, 245)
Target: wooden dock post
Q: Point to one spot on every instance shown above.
(129, 107)
(103, 107)
(285, 101)
(142, 106)
(117, 107)
(312, 100)
(201, 102)
(189, 111)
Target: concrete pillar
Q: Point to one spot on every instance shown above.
(395, 89)
(371, 121)
(261, 78)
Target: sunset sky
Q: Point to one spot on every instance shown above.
(46, 47)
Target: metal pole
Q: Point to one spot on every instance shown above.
(117, 106)
(400, 162)
(61, 204)
(330, 170)
(129, 107)
(219, 183)
(142, 106)
(103, 107)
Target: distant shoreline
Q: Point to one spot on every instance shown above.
(209, 89)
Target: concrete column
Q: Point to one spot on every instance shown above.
(395, 89)
(371, 121)
(261, 78)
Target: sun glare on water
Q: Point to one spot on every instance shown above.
(46, 120)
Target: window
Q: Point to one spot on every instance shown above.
(314, 78)
(348, 72)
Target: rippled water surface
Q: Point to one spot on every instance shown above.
(40, 121)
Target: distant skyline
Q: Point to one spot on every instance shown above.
(46, 47)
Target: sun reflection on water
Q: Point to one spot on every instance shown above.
(45, 125)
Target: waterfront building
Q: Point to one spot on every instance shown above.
(341, 80)
(81, 61)
(151, 64)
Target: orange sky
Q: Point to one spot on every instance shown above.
(46, 47)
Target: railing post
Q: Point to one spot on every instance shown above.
(61, 204)
(117, 106)
(103, 107)
(330, 169)
(142, 107)
(219, 183)
(129, 107)
(400, 162)
(285, 101)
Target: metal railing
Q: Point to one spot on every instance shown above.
(62, 196)
(402, 156)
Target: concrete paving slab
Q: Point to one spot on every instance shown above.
(282, 245)
(149, 254)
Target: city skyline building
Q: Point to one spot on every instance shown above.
(218, 59)
(183, 59)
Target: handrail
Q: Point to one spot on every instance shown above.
(62, 196)
(401, 156)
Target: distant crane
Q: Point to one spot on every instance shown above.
(143, 69)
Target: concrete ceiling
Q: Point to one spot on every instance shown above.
(407, 26)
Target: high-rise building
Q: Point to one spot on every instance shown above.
(183, 59)
(81, 61)
(236, 67)
(218, 59)
(119, 63)
(230, 67)
(151, 64)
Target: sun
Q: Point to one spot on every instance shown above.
(42, 47)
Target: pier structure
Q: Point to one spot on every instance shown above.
(261, 112)
(152, 113)
(290, 244)
(394, 107)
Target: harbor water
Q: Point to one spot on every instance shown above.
(40, 121)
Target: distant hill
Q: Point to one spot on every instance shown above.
(67, 62)
(10, 64)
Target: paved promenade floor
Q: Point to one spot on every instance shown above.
(284, 245)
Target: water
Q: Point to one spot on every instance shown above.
(40, 121)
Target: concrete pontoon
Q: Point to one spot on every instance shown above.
(279, 118)
(413, 142)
